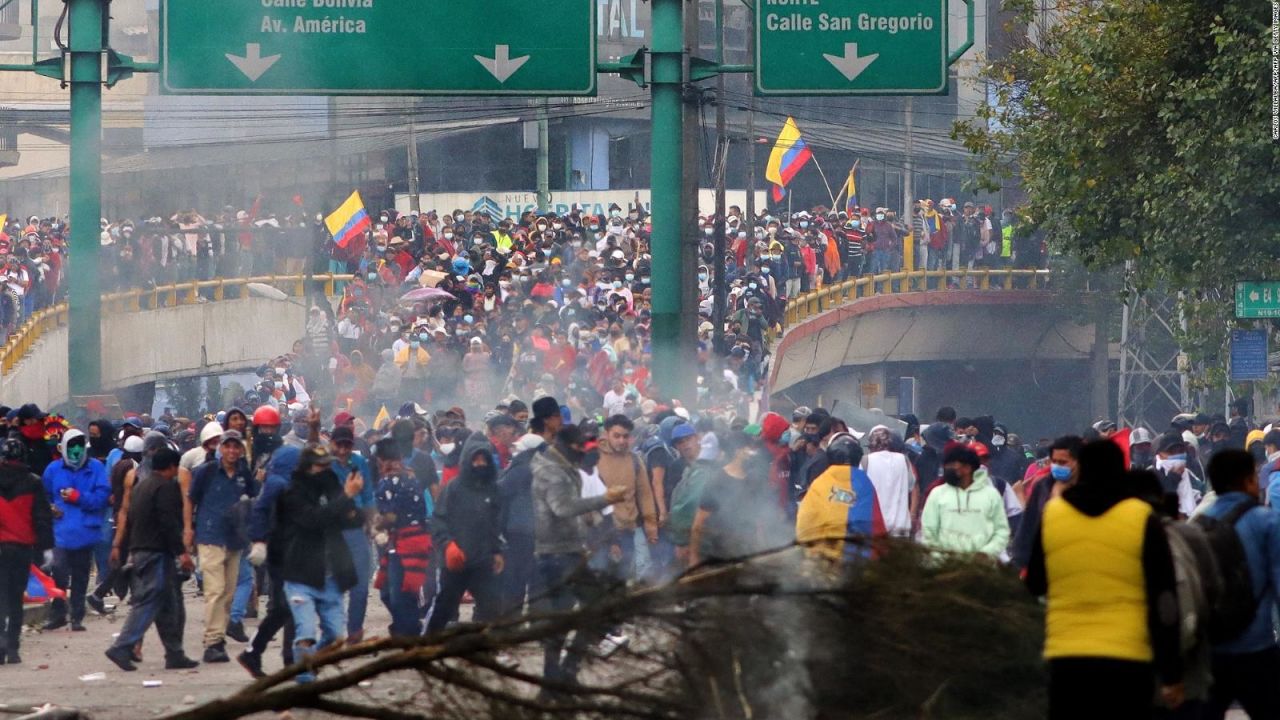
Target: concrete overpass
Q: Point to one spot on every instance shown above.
(985, 342)
(170, 332)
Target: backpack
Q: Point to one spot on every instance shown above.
(1196, 573)
(1233, 606)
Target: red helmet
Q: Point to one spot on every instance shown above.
(266, 416)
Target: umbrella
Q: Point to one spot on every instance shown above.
(424, 294)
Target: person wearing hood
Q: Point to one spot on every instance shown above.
(269, 540)
(316, 566)
(560, 543)
(967, 514)
(515, 500)
(26, 538)
(467, 527)
(1102, 561)
(102, 439)
(76, 486)
(773, 430)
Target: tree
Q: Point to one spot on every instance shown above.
(1141, 130)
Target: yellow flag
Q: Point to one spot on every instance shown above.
(383, 418)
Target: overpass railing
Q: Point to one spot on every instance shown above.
(832, 296)
(184, 293)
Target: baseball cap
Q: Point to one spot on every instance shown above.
(315, 455)
(231, 436)
(343, 433)
(682, 431)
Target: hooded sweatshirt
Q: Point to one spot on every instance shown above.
(468, 511)
(25, 518)
(971, 519)
(84, 507)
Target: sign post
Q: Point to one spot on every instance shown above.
(1248, 355)
(1256, 300)
(343, 47)
(851, 47)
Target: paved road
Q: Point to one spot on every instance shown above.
(54, 663)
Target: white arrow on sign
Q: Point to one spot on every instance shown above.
(849, 64)
(253, 65)
(1254, 296)
(502, 65)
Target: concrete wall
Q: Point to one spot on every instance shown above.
(41, 377)
(170, 342)
(930, 326)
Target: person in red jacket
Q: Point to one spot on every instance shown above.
(26, 537)
(772, 427)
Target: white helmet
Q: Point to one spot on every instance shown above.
(210, 431)
(1140, 436)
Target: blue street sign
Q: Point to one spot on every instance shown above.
(1248, 355)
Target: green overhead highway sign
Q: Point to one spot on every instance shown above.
(851, 47)
(1258, 299)
(358, 47)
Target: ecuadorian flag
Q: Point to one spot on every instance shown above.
(789, 155)
(851, 203)
(348, 221)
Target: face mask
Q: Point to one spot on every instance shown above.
(998, 441)
(751, 286)
(804, 224)
(630, 277)
(644, 280)
(764, 271)
(458, 217)
(702, 277)
(423, 337)
(590, 459)
(448, 236)
(566, 282)
(1179, 459)
(446, 448)
(812, 438)
(558, 226)
(373, 277)
(484, 472)
(951, 477)
(915, 445)
(617, 284)
(879, 216)
(384, 219)
(414, 344)
(76, 455)
(1061, 473)
(594, 227)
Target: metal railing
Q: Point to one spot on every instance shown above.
(830, 297)
(184, 293)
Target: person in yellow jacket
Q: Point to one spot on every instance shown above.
(1103, 563)
(412, 360)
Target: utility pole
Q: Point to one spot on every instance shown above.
(87, 22)
(667, 71)
(722, 158)
(691, 237)
(544, 159)
(908, 174)
(751, 137)
(415, 204)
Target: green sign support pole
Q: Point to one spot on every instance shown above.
(87, 30)
(667, 72)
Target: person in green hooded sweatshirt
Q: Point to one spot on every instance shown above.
(966, 514)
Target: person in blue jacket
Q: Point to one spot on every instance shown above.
(1245, 667)
(268, 547)
(76, 486)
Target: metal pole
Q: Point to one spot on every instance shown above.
(909, 178)
(665, 180)
(751, 139)
(415, 203)
(722, 158)
(544, 159)
(87, 30)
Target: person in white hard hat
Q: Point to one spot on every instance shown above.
(210, 435)
(1141, 455)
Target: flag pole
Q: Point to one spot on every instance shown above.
(824, 180)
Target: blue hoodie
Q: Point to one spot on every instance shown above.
(1259, 531)
(80, 524)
